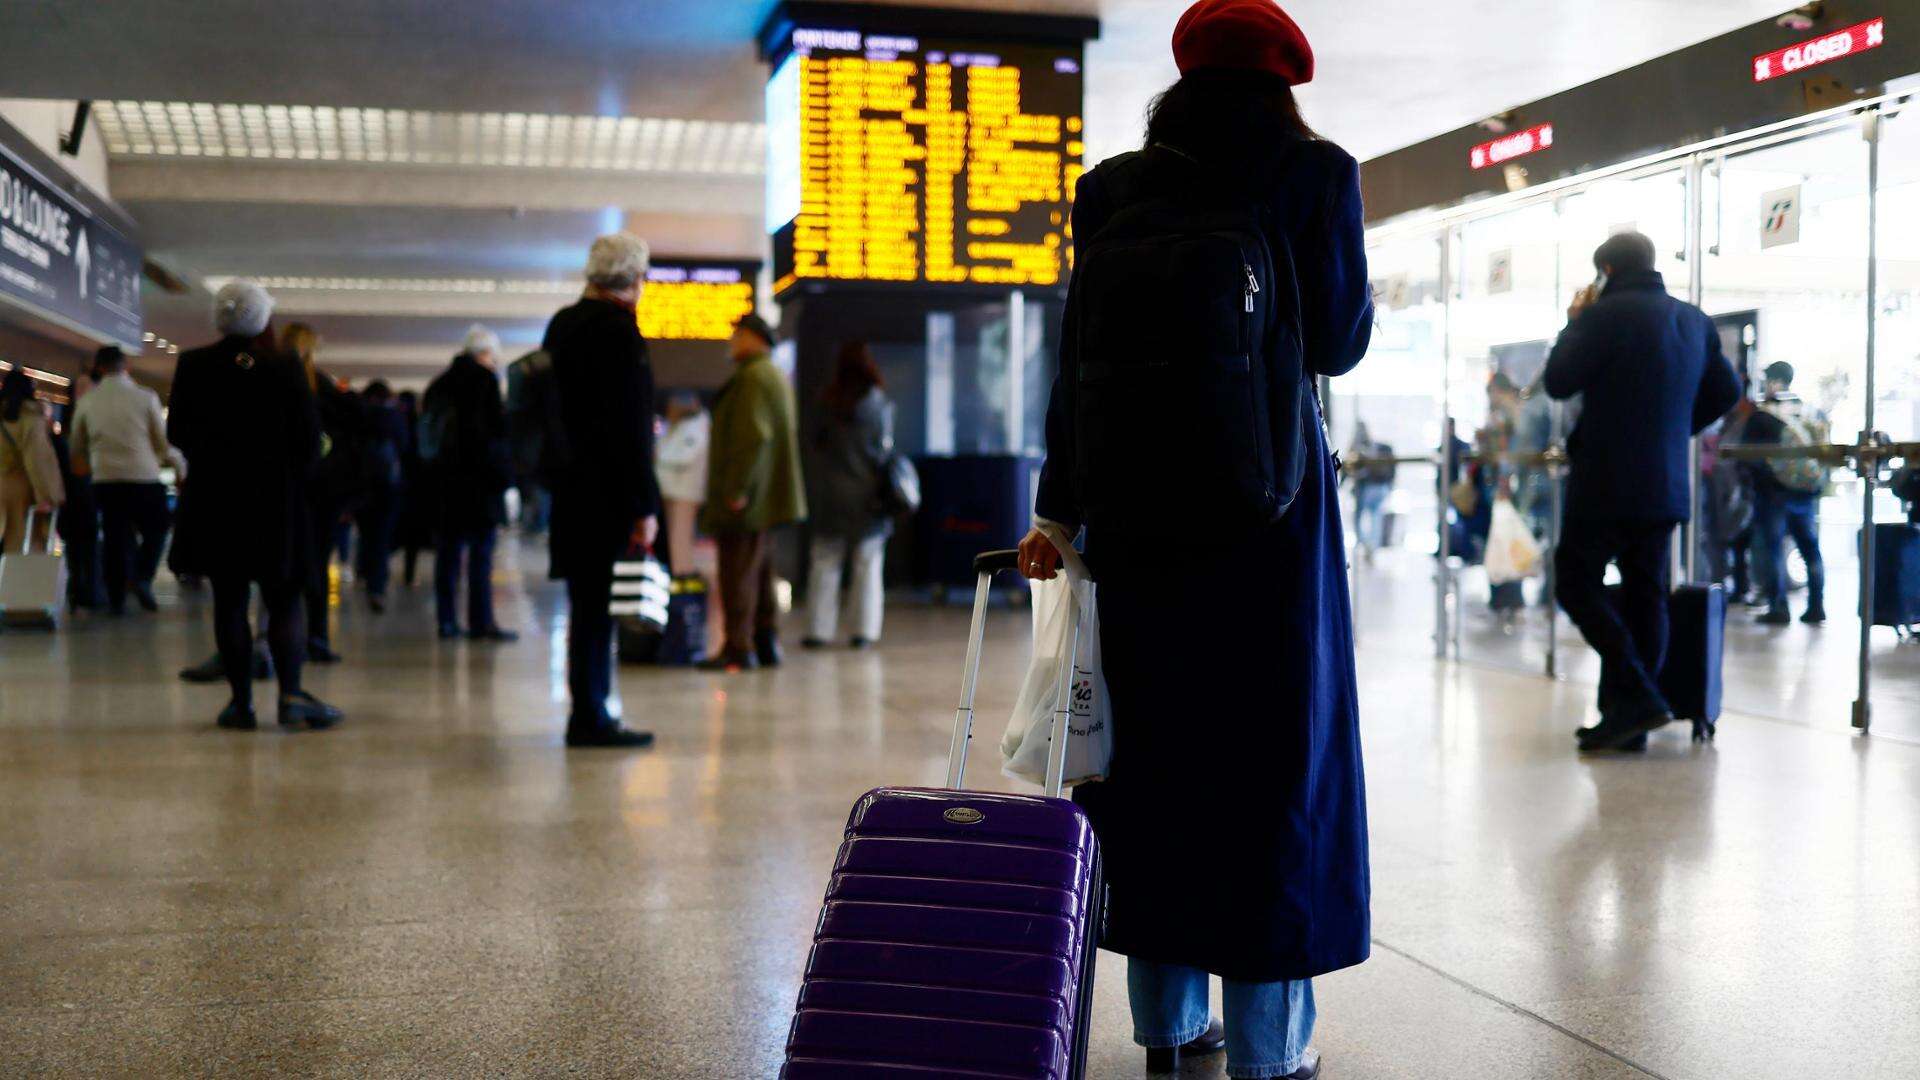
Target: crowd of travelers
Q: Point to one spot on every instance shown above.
(290, 482)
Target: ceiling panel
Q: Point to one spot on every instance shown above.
(1392, 72)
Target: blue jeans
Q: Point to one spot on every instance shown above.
(477, 546)
(1779, 515)
(1268, 1024)
(1369, 513)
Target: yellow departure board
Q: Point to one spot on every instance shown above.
(701, 301)
(902, 158)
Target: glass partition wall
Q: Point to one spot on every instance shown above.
(1770, 234)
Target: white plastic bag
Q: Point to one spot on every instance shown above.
(1512, 552)
(1057, 605)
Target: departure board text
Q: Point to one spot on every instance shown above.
(695, 301)
(908, 159)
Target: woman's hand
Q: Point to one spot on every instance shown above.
(1039, 559)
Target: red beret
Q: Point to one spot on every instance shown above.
(1247, 34)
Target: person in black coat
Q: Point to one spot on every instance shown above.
(1237, 749)
(1651, 375)
(241, 414)
(463, 443)
(414, 530)
(338, 482)
(384, 454)
(599, 454)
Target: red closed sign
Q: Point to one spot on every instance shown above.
(1507, 147)
(1821, 50)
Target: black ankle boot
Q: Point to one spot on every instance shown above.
(1166, 1059)
(766, 648)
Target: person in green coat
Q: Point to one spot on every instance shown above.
(753, 486)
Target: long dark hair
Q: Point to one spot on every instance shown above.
(1239, 121)
(15, 390)
(854, 374)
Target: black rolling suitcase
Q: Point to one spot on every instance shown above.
(1896, 577)
(1691, 679)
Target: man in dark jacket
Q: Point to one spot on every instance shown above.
(597, 455)
(1787, 497)
(463, 442)
(1652, 375)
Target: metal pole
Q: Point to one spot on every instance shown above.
(1556, 484)
(1443, 572)
(1869, 466)
(1017, 373)
(1696, 295)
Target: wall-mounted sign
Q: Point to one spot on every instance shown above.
(1780, 217)
(1825, 49)
(61, 262)
(1507, 147)
(1500, 272)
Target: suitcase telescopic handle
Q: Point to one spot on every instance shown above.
(985, 566)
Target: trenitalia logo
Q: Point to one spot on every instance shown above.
(1507, 147)
(1868, 35)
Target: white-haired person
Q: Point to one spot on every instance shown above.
(599, 455)
(463, 446)
(243, 418)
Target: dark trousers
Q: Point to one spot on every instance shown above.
(233, 632)
(378, 518)
(325, 528)
(79, 526)
(475, 547)
(134, 519)
(746, 588)
(1631, 638)
(589, 646)
(1779, 515)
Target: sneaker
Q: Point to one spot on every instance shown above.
(301, 707)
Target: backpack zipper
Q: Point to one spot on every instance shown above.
(1253, 286)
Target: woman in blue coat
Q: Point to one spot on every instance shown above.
(1233, 819)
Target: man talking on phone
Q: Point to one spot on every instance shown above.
(1651, 375)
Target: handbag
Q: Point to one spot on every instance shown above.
(641, 591)
(899, 485)
(1065, 615)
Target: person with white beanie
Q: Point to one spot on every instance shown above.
(241, 414)
(464, 448)
(599, 449)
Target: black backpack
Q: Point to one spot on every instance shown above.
(541, 449)
(1185, 323)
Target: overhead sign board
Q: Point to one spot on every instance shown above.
(1821, 50)
(1507, 147)
(697, 300)
(61, 261)
(926, 159)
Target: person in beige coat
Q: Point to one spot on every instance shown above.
(753, 487)
(29, 470)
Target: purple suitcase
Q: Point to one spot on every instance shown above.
(958, 936)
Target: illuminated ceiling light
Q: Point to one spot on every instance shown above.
(395, 136)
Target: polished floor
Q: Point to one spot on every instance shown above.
(438, 889)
